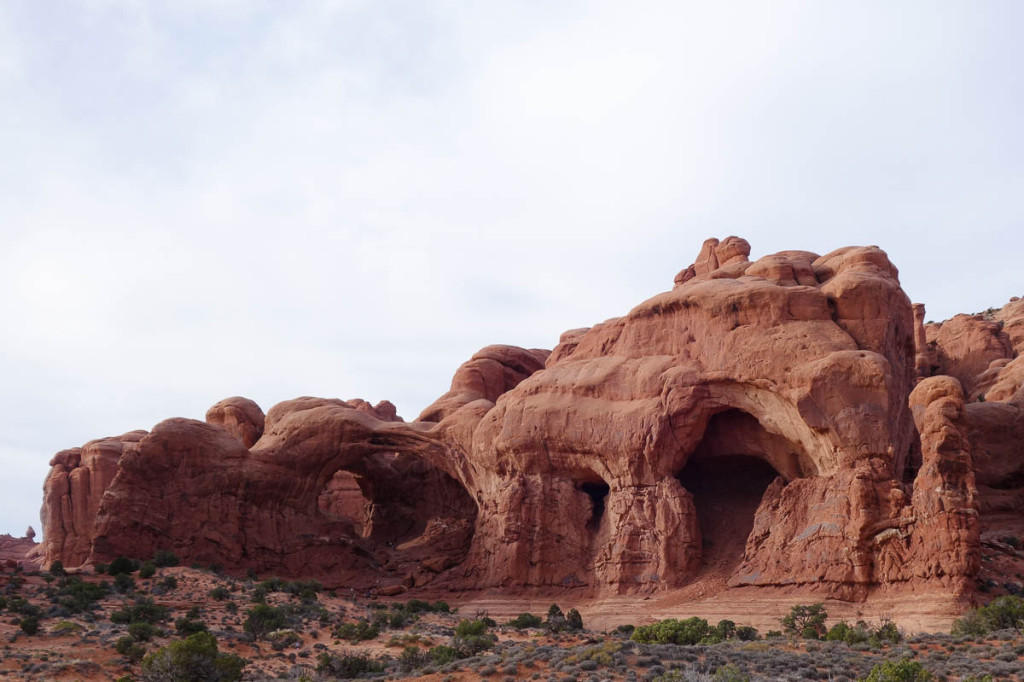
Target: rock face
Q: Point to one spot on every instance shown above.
(18, 550)
(785, 422)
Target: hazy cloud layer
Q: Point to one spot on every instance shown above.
(203, 199)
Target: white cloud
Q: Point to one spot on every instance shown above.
(349, 198)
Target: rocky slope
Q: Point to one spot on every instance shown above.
(787, 424)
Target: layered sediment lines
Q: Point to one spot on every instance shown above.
(785, 423)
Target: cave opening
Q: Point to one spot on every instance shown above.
(727, 474)
(727, 491)
(598, 493)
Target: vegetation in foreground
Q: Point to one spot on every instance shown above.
(150, 621)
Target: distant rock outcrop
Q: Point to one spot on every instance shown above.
(788, 422)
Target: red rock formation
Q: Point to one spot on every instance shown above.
(17, 550)
(754, 426)
(77, 481)
(240, 417)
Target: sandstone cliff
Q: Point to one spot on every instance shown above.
(789, 421)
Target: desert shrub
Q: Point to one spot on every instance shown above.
(142, 611)
(413, 658)
(356, 632)
(471, 638)
(121, 565)
(262, 619)
(730, 673)
(442, 655)
(282, 639)
(887, 633)
(747, 633)
(77, 596)
(672, 631)
(556, 619)
(805, 620)
(220, 593)
(1000, 614)
(169, 583)
(147, 570)
(143, 632)
(440, 607)
(904, 670)
(57, 568)
(469, 628)
(3, 603)
(398, 619)
(29, 625)
(231, 607)
(348, 666)
(193, 658)
(625, 630)
(525, 620)
(417, 606)
(189, 626)
(130, 649)
(100, 568)
(124, 583)
(573, 620)
(164, 558)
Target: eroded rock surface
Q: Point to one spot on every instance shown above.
(785, 422)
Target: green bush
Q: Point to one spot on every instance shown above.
(999, 614)
(573, 620)
(348, 666)
(189, 626)
(142, 611)
(413, 658)
(356, 632)
(124, 583)
(470, 628)
(29, 625)
(747, 633)
(143, 632)
(121, 565)
(807, 621)
(194, 658)
(220, 593)
(164, 558)
(525, 620)
(688, 632)
(904, 670)
(3, 603)
(440, 607)
(443, 654)
(57, 568)
(130, 649)
(77, 596)
(147, 570)
(730, 673)
(263, 619)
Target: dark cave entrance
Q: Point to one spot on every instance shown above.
(598, 493)
(727, 474)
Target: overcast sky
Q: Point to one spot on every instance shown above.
(205, 198)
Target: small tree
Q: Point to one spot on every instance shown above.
(57, 569)
(29, 625)
(264, 619)
(194, 658)
(120, 565)
(574, 620)
(806, 621)
(904, 670)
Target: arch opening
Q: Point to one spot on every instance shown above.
(728, 473)
(342, 501)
